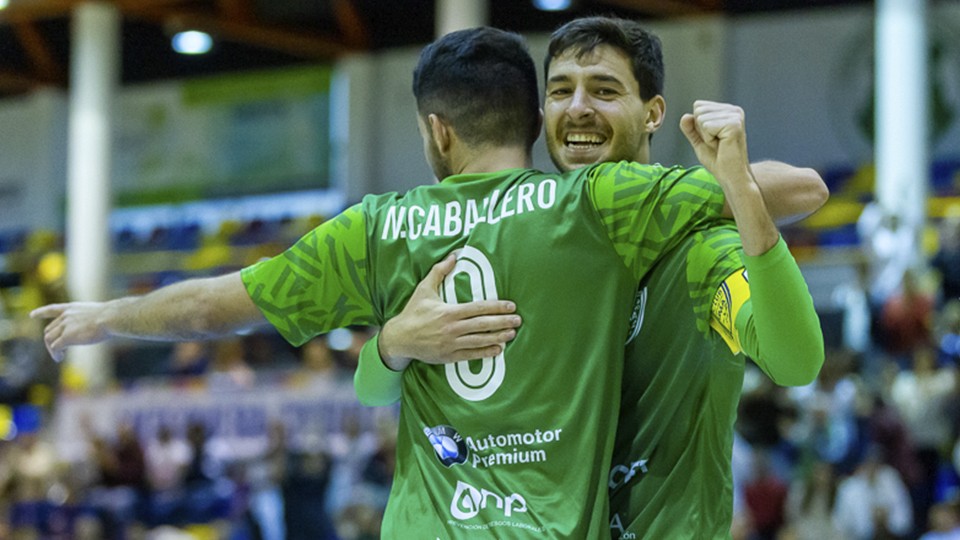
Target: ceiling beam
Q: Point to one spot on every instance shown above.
(295, 43)
(13, 81)
(350, 23)
(38, 51)
(48, 9)
(237, 10)
(666, 8)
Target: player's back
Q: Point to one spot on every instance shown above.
(516, 445)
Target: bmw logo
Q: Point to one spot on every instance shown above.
(448, 444)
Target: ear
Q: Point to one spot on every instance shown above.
(539, 124)
(655, 109)
(442, 133)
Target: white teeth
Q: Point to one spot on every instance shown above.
(584, 138)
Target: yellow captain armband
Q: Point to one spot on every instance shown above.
(729, 298)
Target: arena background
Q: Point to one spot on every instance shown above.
(222, 159)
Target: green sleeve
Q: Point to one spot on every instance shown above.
(376, 384)
(319, 284)
(647, 210)
(778, 326)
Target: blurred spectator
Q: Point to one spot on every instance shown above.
(189, 358)
(229, 369)
(265, 476)
(907, 317)
(304, 493)
(810, 503)
(351, 450)
(892, 440)
(852, 298)
(920, 396)
(947, 259)
(948, 333)
(884, 240)
(944, 522)
(167, 459)
(873, 502)
(122, 479)
(209, 492)
(765, 496)
(827, 427)
(33, 464)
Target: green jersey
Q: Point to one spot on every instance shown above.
(671, 476)
(515, 446)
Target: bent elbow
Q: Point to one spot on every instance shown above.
(806, 369)
(820, 193)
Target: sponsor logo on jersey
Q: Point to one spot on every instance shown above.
(616, 525)
(468, 501)
(636, 318)
(621, 474)
(507, 448)
(448, 445)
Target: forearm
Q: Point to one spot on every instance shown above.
(790, 193)
(746, 203)
(190, 310)
(778, 327)
(375, 384)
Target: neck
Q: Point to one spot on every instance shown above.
(494, 159)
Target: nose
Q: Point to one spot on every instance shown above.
(581, 106)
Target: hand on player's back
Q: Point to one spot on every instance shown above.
(435, 332)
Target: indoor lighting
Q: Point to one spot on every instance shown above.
(552, 5)
(4, 3)
(190, 42)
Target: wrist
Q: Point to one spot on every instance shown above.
(393, 361)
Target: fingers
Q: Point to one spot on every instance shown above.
(485, 324)
(434, 278)
(50, 311)
(479, 308)
(688, 125)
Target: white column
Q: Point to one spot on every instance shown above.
(902, 118)
(94, 67)
(459, 14)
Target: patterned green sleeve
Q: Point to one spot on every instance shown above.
(648, 209)
(319, 284)
(779, 327)
(715, 254)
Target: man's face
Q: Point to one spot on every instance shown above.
(593, 111)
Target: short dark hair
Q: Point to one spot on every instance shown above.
(642, 46)
(482, 81)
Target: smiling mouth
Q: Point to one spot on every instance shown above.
(584, 141)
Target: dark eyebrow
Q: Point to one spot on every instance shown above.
(558, 78)
(608, 79)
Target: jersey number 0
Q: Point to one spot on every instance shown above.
(470, 385)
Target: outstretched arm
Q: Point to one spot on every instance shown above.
(790, 193)
(192, 309)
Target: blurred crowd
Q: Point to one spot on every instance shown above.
(871, 449)
(186, 484)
